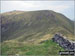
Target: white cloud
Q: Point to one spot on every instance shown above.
(59, 8)
(22, 3)
(35, 5)
(16, 5)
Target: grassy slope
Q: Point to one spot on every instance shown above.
(26, 29)
(46, 48)
(25, 25)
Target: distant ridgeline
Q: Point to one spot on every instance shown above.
(66, 44)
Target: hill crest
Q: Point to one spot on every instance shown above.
(34, 25)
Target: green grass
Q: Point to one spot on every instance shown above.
(24, 26)
(46, 48)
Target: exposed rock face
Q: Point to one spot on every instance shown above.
(66, 44)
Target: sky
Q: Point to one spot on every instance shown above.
(64, 7)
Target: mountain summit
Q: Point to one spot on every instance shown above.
(34, 25)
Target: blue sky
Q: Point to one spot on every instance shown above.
(64, 7)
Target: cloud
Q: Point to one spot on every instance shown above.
(59, 8)
(22, 3)
(35, 5)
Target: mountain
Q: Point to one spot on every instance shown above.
(34, 26)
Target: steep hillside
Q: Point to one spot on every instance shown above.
(34, 25)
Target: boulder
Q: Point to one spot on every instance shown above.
(66, 44)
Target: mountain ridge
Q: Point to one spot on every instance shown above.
(26, 25)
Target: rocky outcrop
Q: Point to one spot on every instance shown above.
(66, 44)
